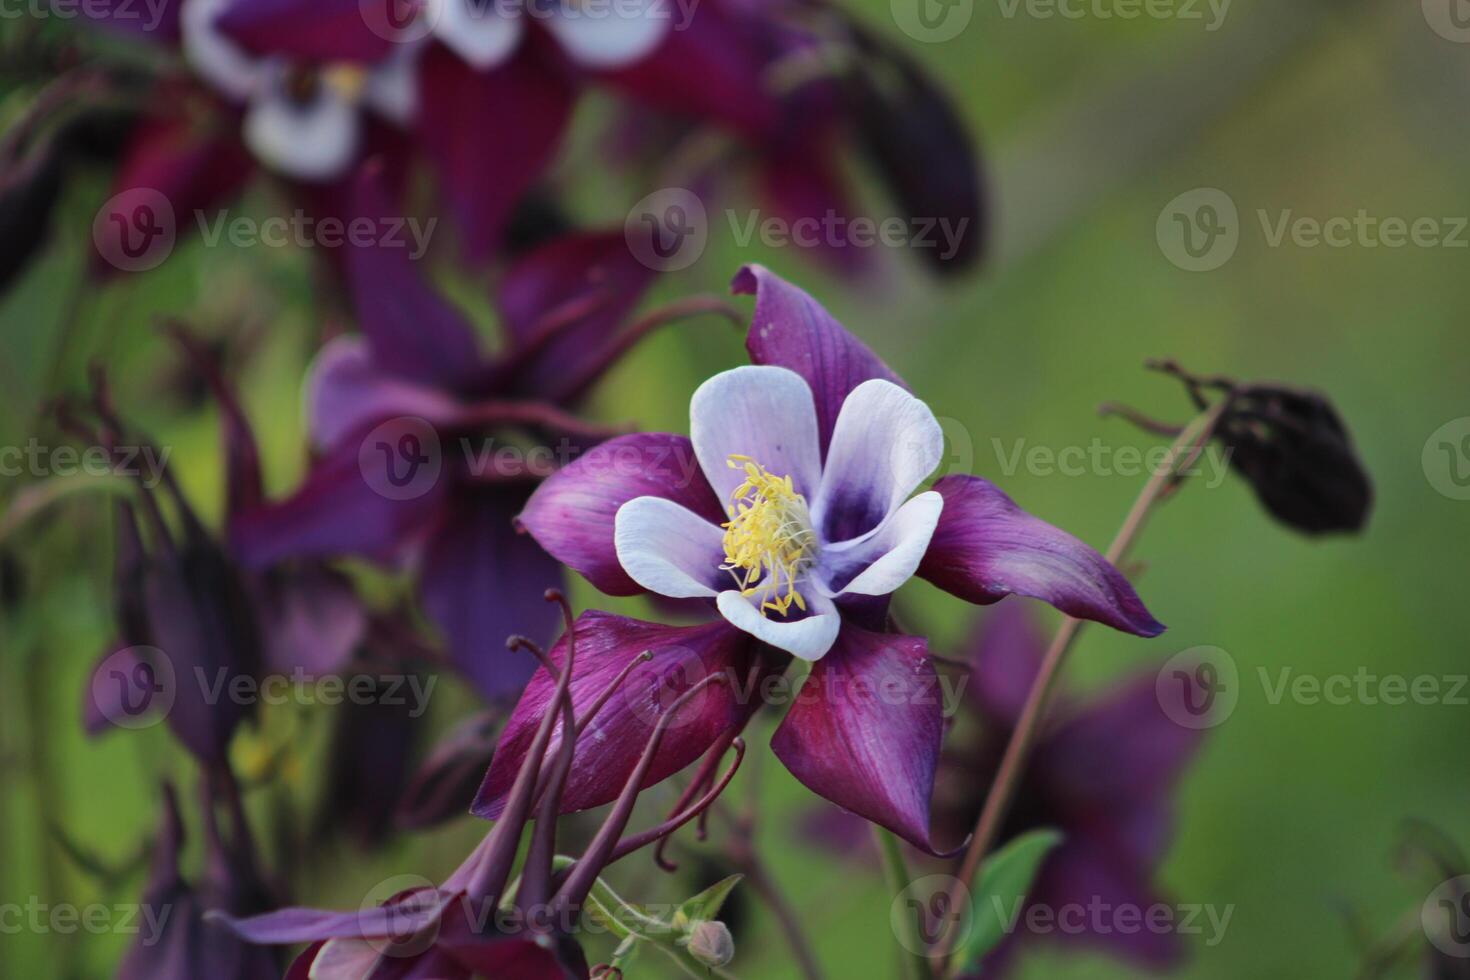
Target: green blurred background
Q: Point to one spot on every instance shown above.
(1090, 128)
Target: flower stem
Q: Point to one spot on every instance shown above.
(914, 963)
(1182, 453)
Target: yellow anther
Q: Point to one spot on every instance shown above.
(769, 541)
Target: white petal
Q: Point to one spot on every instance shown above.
(313, 141)
(766, 413)
(668, 549)
(483, 34)
(880, 562)
(608, 36)
(392, 88)
(884, 444)
(217, 59)
(808, 638)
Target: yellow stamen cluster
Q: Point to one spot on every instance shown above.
(769, 541)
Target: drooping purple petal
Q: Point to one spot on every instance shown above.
(572, 514)
(801, 181)
(194, 168)
(463, 122)
(351, 388)
(415, 333)
(1119, 759)
(563, 305)
(310, 30)
(609, 747)
(986, 548)
(791, 330)
(866, 728)
(336, 512)
(200, 619)
(482, 582)
(300, 925)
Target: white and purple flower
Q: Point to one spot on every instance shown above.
(791, 510)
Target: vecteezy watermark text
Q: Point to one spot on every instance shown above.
(65, 918)
(1097, 458)
(147, 14)
(137, 230)
(37, 459)
(1211, 13)
(1200, 230)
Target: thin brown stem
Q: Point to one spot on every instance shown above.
(1018, 750)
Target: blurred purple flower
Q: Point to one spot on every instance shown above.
(816, 449)
(1103, 773)
(408, 420)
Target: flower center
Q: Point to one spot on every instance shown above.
(769, 541)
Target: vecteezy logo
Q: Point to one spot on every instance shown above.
(651, 693)
(667, 230)
(403, 21)
(1199, 230)
(1450, 19)
(401, 915)
(1446, 459)
(932, 20)
(937, 906)
(1445, 916)
(134, 687)
(1199, 687)
(134, 231)
(400, 459)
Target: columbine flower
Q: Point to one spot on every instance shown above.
(480, 921)
(788, 510)
(1102, 773)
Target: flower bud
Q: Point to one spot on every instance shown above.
(711, 943)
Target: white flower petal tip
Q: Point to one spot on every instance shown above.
(808, 638)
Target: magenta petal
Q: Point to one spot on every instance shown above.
(571, 513)
(196, 169)
(597, 269)
(464, 120)
(609, 748)
(866, 728)
(790, 329)
(310, 30)
(986, 548)
(711, 68)
(303, 925)
(414, 332)
(335, 512)
(483, 582)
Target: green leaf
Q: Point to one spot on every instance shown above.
(1005, 879)
(706, 905)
